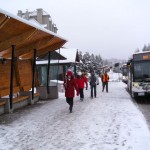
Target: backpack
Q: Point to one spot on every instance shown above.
(93, 80)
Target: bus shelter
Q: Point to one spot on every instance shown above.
(21, 43)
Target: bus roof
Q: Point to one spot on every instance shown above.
(143, 52)
(141, 56)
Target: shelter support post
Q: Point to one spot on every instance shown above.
(58, 69)
(33, 73)
(48, 69)
(11, 76)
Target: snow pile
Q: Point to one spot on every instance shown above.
(114, 77)
(59, 84)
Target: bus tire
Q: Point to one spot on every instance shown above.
(132, 94)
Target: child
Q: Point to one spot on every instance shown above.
(80, 81)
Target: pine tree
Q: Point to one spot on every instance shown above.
(144, 48)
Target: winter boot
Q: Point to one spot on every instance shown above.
(70, 109)
(81, 99)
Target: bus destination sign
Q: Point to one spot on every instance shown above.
(141, 56)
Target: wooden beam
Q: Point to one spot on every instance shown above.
(2, 53)
(51, 48)
(17, 39)
(27, 49)
(44, 50)
(46, 41)
(2, 18)
(4, 21)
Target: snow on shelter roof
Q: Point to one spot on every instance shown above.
(26, 36)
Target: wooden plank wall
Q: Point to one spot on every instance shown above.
(22, 76)
(25, 74)
(5, 72)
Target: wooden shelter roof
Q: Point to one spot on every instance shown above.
(26, 37)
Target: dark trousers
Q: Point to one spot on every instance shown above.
(70, 102)
(81, 93)
(105, 84)
(93, 88)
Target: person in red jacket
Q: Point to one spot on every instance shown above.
(81, 80)
(70, 87)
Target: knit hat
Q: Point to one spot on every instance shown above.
(79, 73)
(69, 73)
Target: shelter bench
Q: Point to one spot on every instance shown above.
(16, 89)
(18, 100)
(27, 88)
(2, 103)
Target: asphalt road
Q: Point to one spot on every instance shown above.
(144, 106)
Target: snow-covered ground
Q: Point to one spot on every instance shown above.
(109, 122)
(114, 76)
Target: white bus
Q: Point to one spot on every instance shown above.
(124, 71)
(139, 74)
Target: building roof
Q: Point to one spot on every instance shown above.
(34, 13)
(54, 56)
(26, 36)
(69, 54)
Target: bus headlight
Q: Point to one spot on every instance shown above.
(136, 85)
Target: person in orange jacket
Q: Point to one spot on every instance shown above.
(81, 80)
(105, 80)
(70, 86)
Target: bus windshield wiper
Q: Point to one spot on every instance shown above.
(138, 80)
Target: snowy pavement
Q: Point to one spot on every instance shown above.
(109, 122)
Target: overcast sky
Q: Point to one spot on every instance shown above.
(111, 28)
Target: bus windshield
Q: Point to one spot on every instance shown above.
(141, 70)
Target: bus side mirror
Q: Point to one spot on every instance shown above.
(128, 64)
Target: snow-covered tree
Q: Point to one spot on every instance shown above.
(80, 55)
(87, 56)
(137, 50)
(92, 58)
(148, 47)
(90, 61)
(144, 48)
